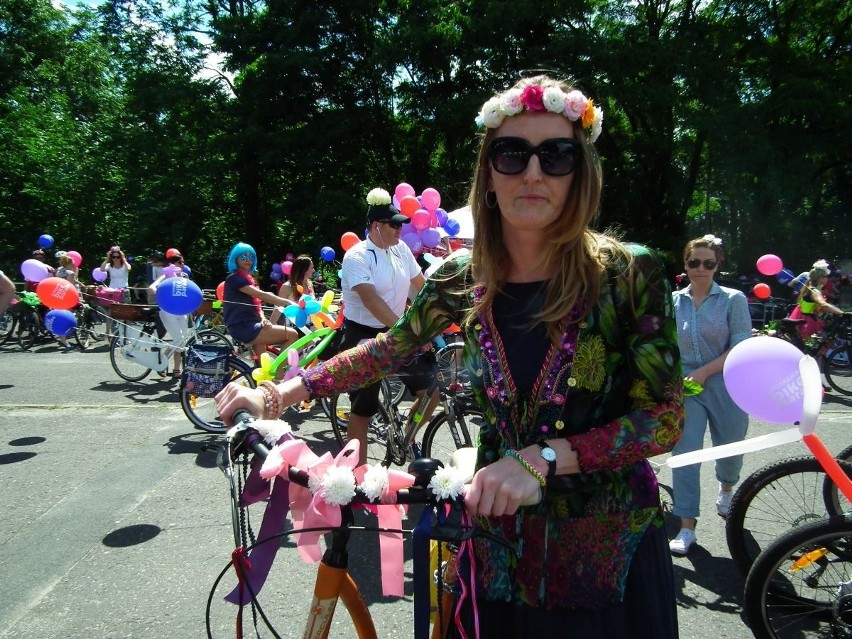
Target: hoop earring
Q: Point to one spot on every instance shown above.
(489, 204)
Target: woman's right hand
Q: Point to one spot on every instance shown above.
(235, 397)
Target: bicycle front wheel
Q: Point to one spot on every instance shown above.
(447, 432)
(28, 330)
(838, 370)
(7, 326)
(121, 354)
(776, 498)
(201, 411)
(801, 585)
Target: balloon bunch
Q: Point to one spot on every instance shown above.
(770, 265)
(279, 269)
(429, 222)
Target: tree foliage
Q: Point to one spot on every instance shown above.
(728, 117)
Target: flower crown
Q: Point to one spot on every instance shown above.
(573, 105)
(378, 197)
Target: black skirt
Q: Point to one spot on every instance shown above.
(648, 609)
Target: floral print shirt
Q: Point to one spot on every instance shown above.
(613, 387)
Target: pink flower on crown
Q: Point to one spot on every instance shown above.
(575, 105)
(532, 98)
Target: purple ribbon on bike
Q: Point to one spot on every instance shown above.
(262, 556)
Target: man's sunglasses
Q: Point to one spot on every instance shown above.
(708, 264)
(557, 156)
(115, 255)
(393, 225)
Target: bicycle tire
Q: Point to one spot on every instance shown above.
(28, 330)
(446, 433)
(801, 585)
(82, 333)
(382, 423)
(8, 321)
(201, 411)
(212, 336)
(120, 354)
(783, 495)
(452, 373)
(838, 369)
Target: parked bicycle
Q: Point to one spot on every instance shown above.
(781, 496)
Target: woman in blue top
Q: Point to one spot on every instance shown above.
(243, 313)
(711, 320)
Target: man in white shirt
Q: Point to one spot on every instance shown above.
(376, 276)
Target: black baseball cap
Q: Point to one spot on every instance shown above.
(385, 213)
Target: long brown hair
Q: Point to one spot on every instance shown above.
(297, 275)
(580, 255)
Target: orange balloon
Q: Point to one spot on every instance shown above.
(408, 205)
(348, 240)
(762, 291)
(55, 292)
(220, 292)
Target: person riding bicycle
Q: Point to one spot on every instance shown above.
(571, 348)
(176, 326)
(7, 292)
(242, 311)
(811, 301)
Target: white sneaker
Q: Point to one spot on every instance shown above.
(723, 502)
(681, 544)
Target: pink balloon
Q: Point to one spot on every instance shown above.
(286, 267)
(430, 198)
(762, 376)
(98, 275)
(420, 219)
(769, 264)
(289, 257)
(34, 270)
(76, 258)
(402, 189)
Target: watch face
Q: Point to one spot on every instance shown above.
(548, 454)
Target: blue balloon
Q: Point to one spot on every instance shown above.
(452, 227)
(45, 241)
(60, 322)
(327, 253)
(276, 267)
(187, 270)
(179, 296)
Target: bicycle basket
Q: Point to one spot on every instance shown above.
(206, 370)
(130, 312)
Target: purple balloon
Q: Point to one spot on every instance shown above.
(34, 270)
(413, 241)
(98, 275)
(441, 214)
(762, 376)
(430, 238)
(276, 267)
(275, 276)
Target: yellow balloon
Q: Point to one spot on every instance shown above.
(327, 299)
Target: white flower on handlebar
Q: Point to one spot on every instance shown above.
(272, 430)
(447, 483)
(375, 481)
(335, 487)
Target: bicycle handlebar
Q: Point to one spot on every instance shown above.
(243, 435)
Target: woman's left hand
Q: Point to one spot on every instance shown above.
(501, 488)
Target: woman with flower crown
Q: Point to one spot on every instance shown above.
(571, 348)
(711, 320)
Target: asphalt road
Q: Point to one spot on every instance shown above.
(116, 520)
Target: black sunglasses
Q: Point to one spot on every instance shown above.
(557, 156)
(708, 264)
(115, 255)
(393, 225)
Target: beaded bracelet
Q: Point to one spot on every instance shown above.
(271, 399)
(523, 461)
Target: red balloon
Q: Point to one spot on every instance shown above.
(55, 292)
(220, 291)
(172, 251)
(408, 205)
(348, 240)
(762, 291)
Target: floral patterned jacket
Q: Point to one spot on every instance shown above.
(613, 388)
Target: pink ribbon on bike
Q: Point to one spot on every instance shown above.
(390, 538)
(262, 556)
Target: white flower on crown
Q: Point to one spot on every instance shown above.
(377, 197)
(821, 264)
(712, 238)
(510, 102)
(491, 115)
(554, 99)
(597, 126)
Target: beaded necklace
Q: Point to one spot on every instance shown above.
(516, 411)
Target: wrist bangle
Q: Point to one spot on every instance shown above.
(526, 464)
(271, 400)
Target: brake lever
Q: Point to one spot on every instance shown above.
(450, 529)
